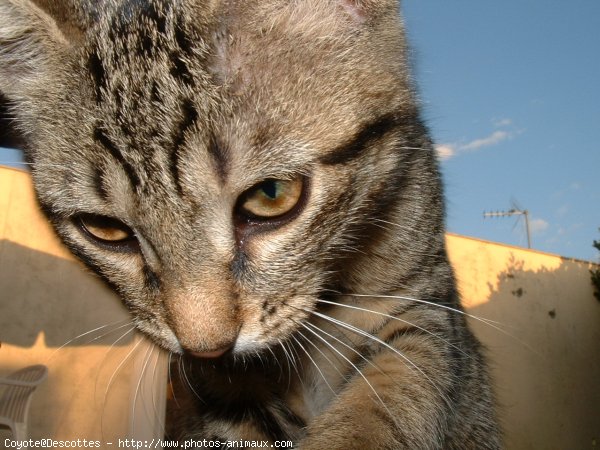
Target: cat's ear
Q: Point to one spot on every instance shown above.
(31, 48)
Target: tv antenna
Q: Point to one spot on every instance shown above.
(514, 211)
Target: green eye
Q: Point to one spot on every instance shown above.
(272, 198)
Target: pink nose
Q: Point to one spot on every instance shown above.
(213, 354)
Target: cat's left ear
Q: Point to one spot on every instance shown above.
(32, 48)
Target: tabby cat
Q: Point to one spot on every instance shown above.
(255, 181)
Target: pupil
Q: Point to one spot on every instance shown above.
(270, 189)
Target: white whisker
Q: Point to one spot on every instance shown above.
(399, 320)
(118, 368)
(294, 359)
(489, 322)
(110, 381)
(335, 366)
(139, 384)
(123, 323)
(407, 360)
(170, 378)
(155, 409)
(287, 359)
(111, 348)
(368, 361)
(277, 362)
(315, 364)
(355, 368)
(187, 381)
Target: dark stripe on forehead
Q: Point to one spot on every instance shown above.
(184, 42)
(96, 69)
(158, 17)
(180, 70)
(220, 155)
(99, 183)
(147, 35)
(101, 137)
(189, 116)
(360, 141)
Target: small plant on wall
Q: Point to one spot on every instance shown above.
(596, 274)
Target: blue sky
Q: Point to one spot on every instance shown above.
(511, 93)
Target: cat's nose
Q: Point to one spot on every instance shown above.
(205, 324)
(213, 354)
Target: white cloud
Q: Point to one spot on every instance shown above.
(538, 225)
(445, 151)
(495, 138)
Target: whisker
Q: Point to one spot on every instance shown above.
(294, 358)
(335, 366)
(112, 347)
(355, 368)
(295, 361)
(28, 165)
(187, 380)
(298, 359)
(490, 323)
(170, 378)
(367, 360)
(275, 358)
(157, 415)
(445, 341)
(110, 381)
(422, 149)
(118, 368)
(260, 358)
(277, 362)
(287, 360)
(407, 360)
(123, 323)
(139, 383)
(315, 364)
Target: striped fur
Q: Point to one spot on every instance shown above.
(341, 318)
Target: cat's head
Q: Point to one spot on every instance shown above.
(222, 163)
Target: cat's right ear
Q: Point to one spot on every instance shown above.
(31, 48)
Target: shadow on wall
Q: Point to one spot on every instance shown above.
(42, 293)
(45, 302)
(545, 361)
(102, 375)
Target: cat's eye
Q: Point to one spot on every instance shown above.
(272, 198)
(107, 231)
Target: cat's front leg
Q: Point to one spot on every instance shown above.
(402, 400)
(359, 419)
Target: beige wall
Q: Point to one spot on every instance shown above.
(544, 349)
(47, 300)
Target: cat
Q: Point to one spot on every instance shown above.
(256, 182)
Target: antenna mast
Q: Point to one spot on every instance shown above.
(513, 212)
